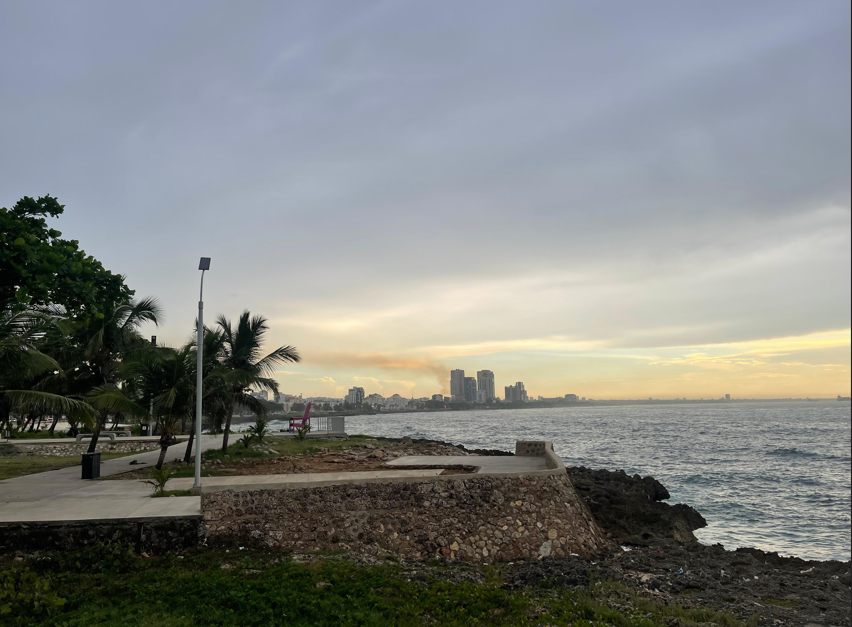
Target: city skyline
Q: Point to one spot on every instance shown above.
(627, 200)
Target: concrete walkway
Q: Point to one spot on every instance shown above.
(303, 480)
(486, 464)
(61, 495)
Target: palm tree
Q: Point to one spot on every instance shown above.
(23, 365)
(109, 338)
(166, 378)
(243, 366)
(214, 391)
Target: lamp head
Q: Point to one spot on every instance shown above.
(204, 264)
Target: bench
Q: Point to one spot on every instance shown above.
(110, 434)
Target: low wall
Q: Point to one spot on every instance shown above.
(153, 535)
(12, 449)
(477, 518)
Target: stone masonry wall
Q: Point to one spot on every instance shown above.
(473, 519)
(69, 450)
(153, 535)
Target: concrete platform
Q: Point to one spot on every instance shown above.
(486, 464)
(305, 480)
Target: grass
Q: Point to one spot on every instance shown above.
(107, 585)
(11, 467)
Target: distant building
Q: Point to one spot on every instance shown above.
(438, 397)
(355, 396)
(469, 390)
(485, 383)
(396, 402)
(727, 397)
(572, 398)
(482, 397)
(516, 393)
(376, 400)
(457, 385)
(261, 394)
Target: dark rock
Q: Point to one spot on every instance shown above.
(629, 508)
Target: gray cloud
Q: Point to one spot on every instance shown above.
(689, 161)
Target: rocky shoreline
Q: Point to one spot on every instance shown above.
(655, 554)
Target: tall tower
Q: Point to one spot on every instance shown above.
(457, 385)
(485, 382)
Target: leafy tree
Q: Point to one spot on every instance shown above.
(40, 270)
(243, 365)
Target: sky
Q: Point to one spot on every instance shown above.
(617, 200)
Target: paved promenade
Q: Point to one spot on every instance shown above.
(60, 495)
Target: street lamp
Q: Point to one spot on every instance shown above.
(203, 265)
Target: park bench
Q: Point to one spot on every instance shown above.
(110, 434)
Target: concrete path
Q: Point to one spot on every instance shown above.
(497, 464)
(303, 480)
(60, 495)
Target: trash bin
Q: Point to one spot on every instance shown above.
(146, 429)
(91, 465)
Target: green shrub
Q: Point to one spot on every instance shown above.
(25, 594)
(260, 429)
(159, 478)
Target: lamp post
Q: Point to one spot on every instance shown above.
(203, 265)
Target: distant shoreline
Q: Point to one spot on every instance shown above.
(534, 405)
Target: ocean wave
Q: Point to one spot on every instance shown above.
(791, 452)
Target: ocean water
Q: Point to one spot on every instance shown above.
(775, 476)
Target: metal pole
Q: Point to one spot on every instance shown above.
(199, 350)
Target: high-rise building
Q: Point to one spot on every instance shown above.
(261, 394)
(727, 397)
(572, 398)
(469, 390)
(355, 396)
(516, 393)
(438, 397)
(457, 385)
(485, 383)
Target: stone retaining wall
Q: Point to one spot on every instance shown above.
(153, 535)
(69, 450)
(475, 519)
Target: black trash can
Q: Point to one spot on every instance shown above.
(91, 465)
(146, 429)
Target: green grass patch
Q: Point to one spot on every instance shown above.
(11, 467)
(107, 585)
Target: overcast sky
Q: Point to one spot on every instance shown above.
(614, 199)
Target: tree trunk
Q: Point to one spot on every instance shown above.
(100, 420)
(227, 429)
(164, 446)
(188, 455)
(53, 425)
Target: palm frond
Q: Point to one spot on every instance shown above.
(110, 398)
(34, 400)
